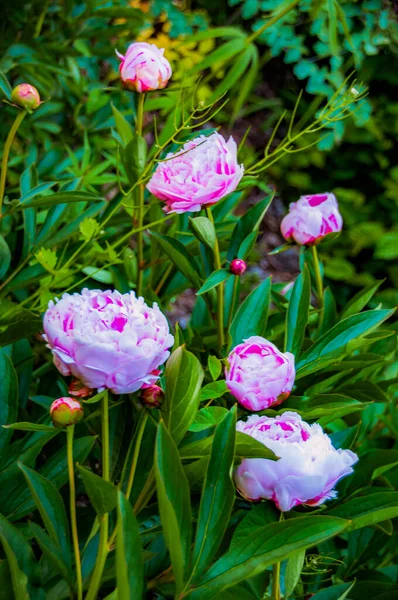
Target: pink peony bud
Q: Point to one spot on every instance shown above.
(66, 411)
(237, 266)
(311, 218)
(308, 468)
(152, 396)
(144, 68)
(205, 170)
(77, 389)
(107, 339)
(259, 375)
(26, 95)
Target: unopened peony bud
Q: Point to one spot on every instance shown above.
(66, 411)
(144, 68)
(238, 266)
(152, 396)
(79, 390)
(26, 95)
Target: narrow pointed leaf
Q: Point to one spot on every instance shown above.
(102, 494)
(213, 280)
(251, 318)
(297, 313)
(129, 556)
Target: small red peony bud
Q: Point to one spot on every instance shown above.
(238, 266)
(79, 390)
(26, 95)
(152, 396)
(66, 411)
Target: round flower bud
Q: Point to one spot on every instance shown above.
(107, 339)
(205, 170)
(238, 266)
(144, 68)
(259, 375)
(308, 468)
(311, 218)
(152, 396)
(77, 389)
(26, 95)
(66, 411)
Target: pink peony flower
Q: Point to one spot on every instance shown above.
(66, 411)
(144, 68)
(26, 95)
(259, 375)
(204, 171)
(311, 218)
(107, 339)
(152, 396)
(308, 469)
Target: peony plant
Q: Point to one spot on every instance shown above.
(203, 458)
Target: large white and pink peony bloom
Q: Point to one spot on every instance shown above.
(311, 218)
(205, 170)
(308, 469)
(144, 68)
(107, 339)
(259, 375)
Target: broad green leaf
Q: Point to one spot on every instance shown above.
(247, 84)
(134, 157)
(246, 225)
(208, 417)
(5, 257)
(8, 399)
(129, 556)
(293, 570)
(180, 257)
(256, 517)
(184, 376)
(212, 390)
(368, 510)
(264, 547)
(223, 53)
(60, 198)
(17, 322)
(236, 70)
(213, 280)
(5, 86)
(215, 366)
(38, 190)
(203, 229)
(247, 245)
(123, 127)
(251, 317)
(52, 551)
(329, 314)
(217, 497)
(51, 508)
(335, 343)
(360, 300)
(297, 313)
(174, 504)
(246, 447)
(102, 494)
(25, 426)
(334, 592)
(18, 577)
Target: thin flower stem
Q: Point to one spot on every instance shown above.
(104, 520)
(233, 302)
(318, 277)
(140, 236)
(276, 588)
(219, 288)
(6, 151)
(72, 504)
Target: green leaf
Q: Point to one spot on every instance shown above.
(213, 280)
(180, 257)
(174, 504)
(25, 426)
(18, 577)
(246, 447)
(217, 497)
(297, 313)
(213, 390)
(258, 516)
(123, 127)
(51, 508)
(215, 366)
(134, 157)
(208, 417)
(335, 343)
(360, 300)
(334, 592)
(368, 510)
(293, 570)
(184, 376)
(223, 53)
(329, 315)
(102, 494)
(264, 547)
(17, 322)
(61, 197)
(247, 224)
(52, 551)
(5, 86)
(5, 257)
(38, 190)
(203, 229)
(247, 245)
(129, 556)
(252, 315)
(9, 397)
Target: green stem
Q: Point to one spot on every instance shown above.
(276, 589)
(233, 302)
(146, 493)
(140, 236)
(318, 281)
(104, 521)
(6, 151)
(72, 504)
(219, 288)
(271, 21)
